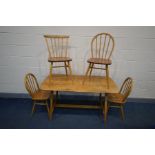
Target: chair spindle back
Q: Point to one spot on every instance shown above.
(126, 87)
(57, 45)
(102, 46)
(31, 83)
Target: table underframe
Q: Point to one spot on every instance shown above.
(103, 106)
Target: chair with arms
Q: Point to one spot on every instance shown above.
(57, 46)
(102, 46)
(39, 97)
(119, 99)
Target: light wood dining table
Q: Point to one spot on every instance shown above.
(74, 83)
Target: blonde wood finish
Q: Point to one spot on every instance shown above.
(39, 96)
(93, 84)
(52, 105)
(120, 98)
(56, 36)
(78, 106)
(102, 46)
(59, 59)
(99, 61)
(57, 46)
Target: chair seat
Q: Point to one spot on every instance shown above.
(59, 59)
(41, 95)
(116, 98)
(100, 61)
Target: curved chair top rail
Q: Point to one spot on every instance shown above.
(57, 45)
(31, 83)
(126, 87)
(102, 46)
(56, 36)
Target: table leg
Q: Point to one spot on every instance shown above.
(51, 105)
(105, 109)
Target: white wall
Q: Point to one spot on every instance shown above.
(23, 49)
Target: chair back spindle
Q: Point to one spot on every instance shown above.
(102, 46)
(126, 88)
(31, 84)
(57, 45)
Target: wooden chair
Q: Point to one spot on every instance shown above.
(57, 46)
(39, 97)
(102, 46)
(118, 100)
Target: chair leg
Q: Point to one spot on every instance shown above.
(88, 69)
(69, 66)
(51, 67)
(66, 68)
(33, 107)
(91, 68)
(46, 102)
(122, 112)
(107, 76)
(47, 107)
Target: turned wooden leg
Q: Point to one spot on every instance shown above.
(122, 112)
(51, 105)
(51, 68)
(33, 107)
(46, 103)
(91, 68)
(88, 69)
(105, 109)
(65, 67)
(70, 70)
(107, 76)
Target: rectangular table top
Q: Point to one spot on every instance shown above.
(74, 83)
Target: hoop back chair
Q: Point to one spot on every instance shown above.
(119, 99)
(57, 46)
(102, 46)
(39, 97)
